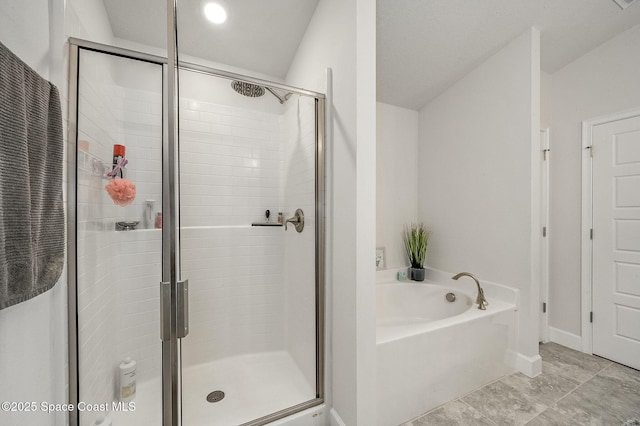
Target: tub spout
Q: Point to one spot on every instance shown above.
(480, 300)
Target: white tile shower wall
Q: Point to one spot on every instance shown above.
(137, 270)
(119, 272)
(96, 295)
(138, 255)
(230, 161)
(97, 336)
(298, 191)
(236, 291)
(229, 164)
(138, 115)
(231, 172)
(110, 114)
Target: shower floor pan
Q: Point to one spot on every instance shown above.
(255, 385)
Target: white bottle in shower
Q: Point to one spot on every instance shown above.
(127, 380)
(149, 207)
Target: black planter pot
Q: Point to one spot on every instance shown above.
(417, 274)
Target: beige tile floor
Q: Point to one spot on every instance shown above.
(573, 389)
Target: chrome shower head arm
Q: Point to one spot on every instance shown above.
(282, 99)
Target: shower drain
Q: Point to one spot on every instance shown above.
(215, 396)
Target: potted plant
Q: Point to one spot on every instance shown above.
(416, 239)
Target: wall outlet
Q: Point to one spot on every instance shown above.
(380, 258)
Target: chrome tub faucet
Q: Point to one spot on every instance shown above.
(480, 300)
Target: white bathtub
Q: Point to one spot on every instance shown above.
(430, 351)
(407, 308)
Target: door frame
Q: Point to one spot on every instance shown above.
(543, 334)
(586, 256)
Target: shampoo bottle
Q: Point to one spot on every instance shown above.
(127, 380)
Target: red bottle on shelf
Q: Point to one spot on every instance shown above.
(118, 155)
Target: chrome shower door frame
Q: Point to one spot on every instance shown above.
(171, 368)
(72, 232)
(75, 47)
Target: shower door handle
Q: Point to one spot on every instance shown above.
(182, 310)
(182, 323)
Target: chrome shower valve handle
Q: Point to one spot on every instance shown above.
(297, 220)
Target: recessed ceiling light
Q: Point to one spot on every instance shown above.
(215, 13)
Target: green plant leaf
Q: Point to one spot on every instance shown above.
(416, 240)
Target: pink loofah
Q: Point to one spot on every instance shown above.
(121, 191)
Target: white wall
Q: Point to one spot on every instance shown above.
(604, 81)
(88, 19)
(475, 175)
(33, 334)
(29, 42)
(338, 34)
(396, 179)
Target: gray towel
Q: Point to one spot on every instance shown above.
(31, 208)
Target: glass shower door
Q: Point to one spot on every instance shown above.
(249, 348)
(118, 192)
(248, 238)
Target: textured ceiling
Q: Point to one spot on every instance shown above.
(424, 46)
(259, 35)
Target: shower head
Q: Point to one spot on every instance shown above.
(247, 89)
(255, 91)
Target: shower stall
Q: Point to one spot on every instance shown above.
(219, 303)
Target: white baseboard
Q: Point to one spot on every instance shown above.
(564, 338)
(335, 418)
(529, 365)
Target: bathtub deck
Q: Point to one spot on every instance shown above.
(390, 331)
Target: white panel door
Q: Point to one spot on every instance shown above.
(616, 241)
